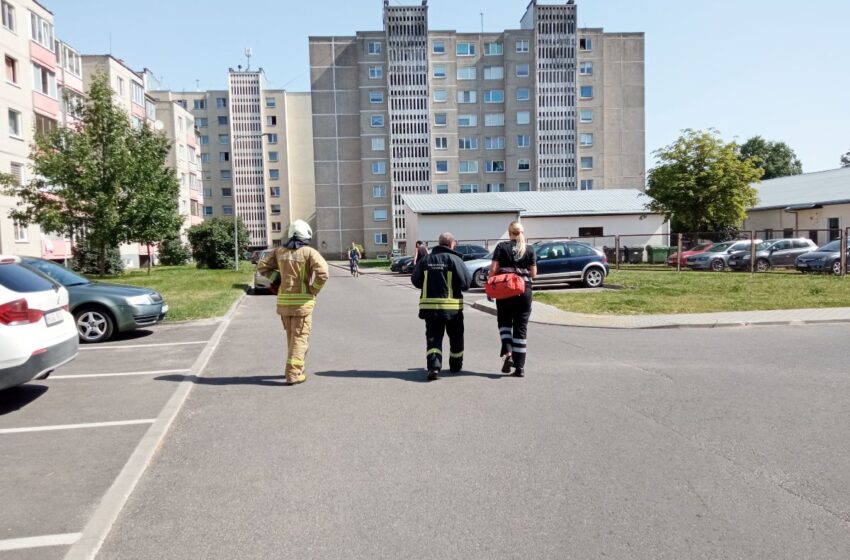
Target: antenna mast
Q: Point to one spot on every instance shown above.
(248, 54)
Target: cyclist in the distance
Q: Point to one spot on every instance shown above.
(354, 257)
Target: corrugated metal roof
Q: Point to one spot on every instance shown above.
(823, 187)
(533, 203)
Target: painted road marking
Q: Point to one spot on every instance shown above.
(121, 374)
(36, 542)
(75, 426)
(142, 345)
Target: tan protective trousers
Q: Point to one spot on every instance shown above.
(297, 336)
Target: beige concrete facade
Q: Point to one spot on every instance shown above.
(491, 121)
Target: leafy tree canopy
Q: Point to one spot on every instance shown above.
(776, 158)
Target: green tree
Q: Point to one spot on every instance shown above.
(212, 242)
(776, 158)
(172, 252)
(701, 184)
(845, 159)
(87, 259)
(100, 180)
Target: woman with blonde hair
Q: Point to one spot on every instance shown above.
(514, 256)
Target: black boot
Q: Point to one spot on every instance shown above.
(506, 367)
(519, 372)
(519, 364)
(433, 374)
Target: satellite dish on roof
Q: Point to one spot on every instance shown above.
(158, 125)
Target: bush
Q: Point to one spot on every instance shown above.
(212, 243)
(172, 252)
(85, 259)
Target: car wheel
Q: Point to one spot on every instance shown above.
(717, 265)
(593, 278)
(479, 279)
(762, 265)
(94, 324)
(836, 267)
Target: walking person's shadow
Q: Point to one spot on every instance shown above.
(414, 375)
(263, 380)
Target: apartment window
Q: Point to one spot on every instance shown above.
(465, 49)
(227, 210)
(522, 46)
(523, 94)
(204, 139)
(227, 192)
(586, 92)
(44, 125)
(17, 171)
(523, 141)
(205, 158)
(377, 121)
(137, 94)
(224, 156)
(521, 70)
(379, 215)
(221, 102)
(71, 61)
(378, 144)
(120, 82)
(467, 120)
(494, 96)
(441, 143)
(468, 166)
(493, 49)
(376, 72)
(438, 47)
(441, 165)
(42, 31)
(494, 142)
(207, 192)
(380, 239)
(379, 168)
(8, 15)
(225, 174)
(150, 110)
(440, 119)
(470, 143)
(15, 126)
(523, 164)
(467, 96)
(224, 139)
(376, 96)
(44, 81)
(202, 122)
(271, 103)
(442, 188)
(273, 156)
(585, 139)
(586, 184)
(11, 70)
(523, 117)
(586, 115)
(495, 187)
(271, 120)
(587, 162)
(585, 68)
(199, 104)
(272, 138)
(440, 96)
(208, 210)
(374, 47)
(585, 44)
(274, 208)
(276, 227)
(136, 123)
(523, 186)
(466, 73)
(494, 73)
(274, 174)
(494, 119)
(439, 70)
(495, 166)
(222, 120)
(379, 191)
(469, 188)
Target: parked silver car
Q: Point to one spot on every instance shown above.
(773, 253)
(717, 258)
(260, 283)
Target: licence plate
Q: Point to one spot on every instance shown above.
(802, 265)
(53, 317)
(164, 308)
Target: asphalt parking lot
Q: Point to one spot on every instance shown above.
(65, 440)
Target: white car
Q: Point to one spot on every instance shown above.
(37, 331)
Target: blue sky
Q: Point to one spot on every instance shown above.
(772, 67)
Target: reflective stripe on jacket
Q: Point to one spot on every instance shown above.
(303, 273)
(442, 277)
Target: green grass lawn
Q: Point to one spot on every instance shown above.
(191, 293)
(375, 263)
(704, 292)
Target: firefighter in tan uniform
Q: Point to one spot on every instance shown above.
(302, 273)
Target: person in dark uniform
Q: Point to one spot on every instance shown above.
(512, 313)
(442, 277)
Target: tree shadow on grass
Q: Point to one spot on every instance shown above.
(264, 380)
(414, 375)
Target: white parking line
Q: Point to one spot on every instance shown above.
(121, 374)
(36, 542)
(75, 426)
(142, 345)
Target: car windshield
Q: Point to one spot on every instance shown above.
(720, 247)
(57, 272)
(831, 247)
(700, 247)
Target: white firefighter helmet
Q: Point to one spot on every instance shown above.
(300, 228)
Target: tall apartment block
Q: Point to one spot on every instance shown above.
(547, 106)
(256, 154)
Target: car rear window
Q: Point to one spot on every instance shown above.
(22, 280)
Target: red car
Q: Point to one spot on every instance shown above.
(695, 250)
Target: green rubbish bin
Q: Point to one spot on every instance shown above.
(658, 255)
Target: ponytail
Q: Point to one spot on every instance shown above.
(515, 231)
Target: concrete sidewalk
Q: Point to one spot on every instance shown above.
(550, 315)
